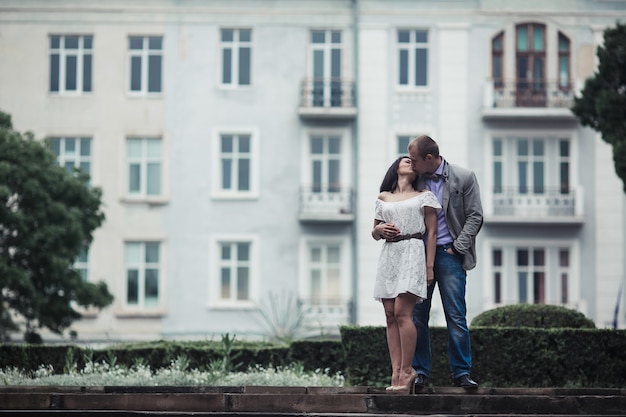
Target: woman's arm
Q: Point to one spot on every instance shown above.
(430, 220)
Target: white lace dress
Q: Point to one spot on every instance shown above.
(402, 264)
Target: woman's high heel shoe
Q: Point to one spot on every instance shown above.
(405, 389)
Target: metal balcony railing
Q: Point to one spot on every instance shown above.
(537, 203)
(536, 93)
(324, 316)
(326, 202)
(327, 92)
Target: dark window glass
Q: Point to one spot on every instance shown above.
(135, 73)
(244, 66)
(87, 73)
(154, 73)
(54, 72)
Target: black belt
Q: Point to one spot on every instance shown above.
(405, 237)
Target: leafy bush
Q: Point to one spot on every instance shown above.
(540, 316)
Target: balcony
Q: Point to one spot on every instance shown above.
(327, 99)
(320, 205)
(324, 316)
(533, 100)
(550, 206)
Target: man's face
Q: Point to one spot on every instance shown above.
(419, 164)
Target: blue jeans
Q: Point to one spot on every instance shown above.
(450, 276)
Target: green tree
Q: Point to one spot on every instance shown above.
(47, 216)
(602, 104)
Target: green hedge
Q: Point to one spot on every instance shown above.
(541, 316)
(502, 356)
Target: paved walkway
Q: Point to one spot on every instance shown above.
(255, 401)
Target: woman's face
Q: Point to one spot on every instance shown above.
(406, 168)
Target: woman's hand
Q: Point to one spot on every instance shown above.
(385, 231)
(430, 276)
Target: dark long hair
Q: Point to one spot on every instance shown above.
(390, 181)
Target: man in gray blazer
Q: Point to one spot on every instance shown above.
(458, 224)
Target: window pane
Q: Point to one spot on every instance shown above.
(70, 72)
(70, 147)
(227, 35)
(55, 146)
(317, 145)
(151, 296)
(87, 73)
(333, 254)
(403, 144)
(522, 257)
(522, 38)
(226, 173)
(71, 42)
(245, 35)
(135, 73)
(333, 284)
(539, 288)
(538, 44)
(244, 66)
(135, 42)
(420, 67)
(522, 177)
(404, 36)
(334, 146)
(55, 42)
(404, 67)
(333, 176)
(243, 251)
(421, 36)
(134, 148)
(154, 73)
(132, 286)
(152, 252)
(563, 257)
(318, 36)
(155, 42)
(154, 148)
(539, 257)
(497, 257)
(335, 36)
(225, 253)
(132, 253)
(154, 178)
(242, 283)
(497, 177)
(134, 178)
(87, 42)
(316, 255)
(85, 147)
(225, 284)
(54, 72)
(244, 174)
(226, 66)
(538, 177)
(85, 167)
(227, 143)
(522, 286)
(563, 43)
(244, 143)
(316, 284)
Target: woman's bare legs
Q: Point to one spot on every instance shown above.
(401, 337)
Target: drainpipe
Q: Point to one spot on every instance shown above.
(355, 161)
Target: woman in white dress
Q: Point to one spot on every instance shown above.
(406, 218)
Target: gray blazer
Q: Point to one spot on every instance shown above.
(463, 210)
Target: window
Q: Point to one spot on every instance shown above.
(325, 154)
(536, 274)
(144, 166)
(143, 271)
(402, 144)
(236, 46)
(564, 62)
(72, 152)
(145, 54)
(82, 264)
(325, 69)
(497, 60)
(234, 271)
(412, 49)
(324, 261)
(497, 275)
(531, 61)
(537, 181)
(235, 158)
(70, 63)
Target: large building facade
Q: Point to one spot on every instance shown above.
(240, 145)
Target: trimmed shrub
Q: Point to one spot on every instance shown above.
(539, 316)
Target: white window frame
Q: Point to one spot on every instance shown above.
(345, 156)
(234, 46)
(140, 307)
(217, 191)
(254, 263)
(142, 195)
(144, 53)
(509, 269)
(411, 47)
(63, 53)
(63, 158)
(343, 242)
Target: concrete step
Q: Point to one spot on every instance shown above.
(251, 401)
